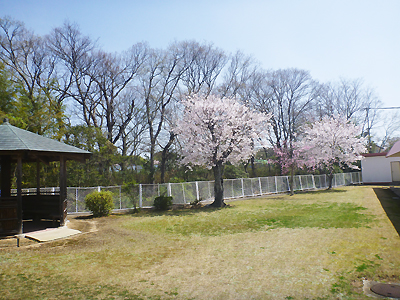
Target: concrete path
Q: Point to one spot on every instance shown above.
(51, 234)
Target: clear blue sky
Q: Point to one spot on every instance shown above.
(330, 38)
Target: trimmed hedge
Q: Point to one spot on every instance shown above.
(99, 203)
(163, 202)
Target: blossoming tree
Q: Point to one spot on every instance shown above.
(332, 141)
(291, 158)
(216, 130)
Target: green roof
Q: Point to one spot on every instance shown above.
(14, 139)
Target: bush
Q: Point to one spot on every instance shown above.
(99, 203)
(131, 190)
(163, 202)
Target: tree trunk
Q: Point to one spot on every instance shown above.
(291, 180)
(253, 167)
(330, 179)
(218, 186)
(151, 168)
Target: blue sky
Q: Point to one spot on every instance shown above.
(331, 39)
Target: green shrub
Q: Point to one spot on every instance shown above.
(131, 190)
(99, 203)
(163, 202)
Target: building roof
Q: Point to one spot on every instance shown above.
(15, 140)
(374, 154)
(395, 150)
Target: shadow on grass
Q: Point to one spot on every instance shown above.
(324, 191)
(85, 217)
(176, 211)
(391, 206)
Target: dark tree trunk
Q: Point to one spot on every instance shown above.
(291, 180)
(218, 186)
(253, 167)
(152, 169)
(330, 179)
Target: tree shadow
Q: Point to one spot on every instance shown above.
(85, 217)
(181, 211)
(391, 204)
(322, 191)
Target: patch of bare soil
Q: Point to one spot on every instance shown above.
(84, 224)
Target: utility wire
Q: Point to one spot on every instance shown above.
(393, 107)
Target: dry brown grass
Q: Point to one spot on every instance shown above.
(113, 260)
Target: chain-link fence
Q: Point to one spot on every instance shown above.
(142, 195)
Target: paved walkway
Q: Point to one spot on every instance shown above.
(51, 234)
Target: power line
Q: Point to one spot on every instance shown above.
(393, 107)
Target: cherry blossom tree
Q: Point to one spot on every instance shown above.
(332, 141)
(291, 158)
(216, 130)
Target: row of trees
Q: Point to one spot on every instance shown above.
(123, 106)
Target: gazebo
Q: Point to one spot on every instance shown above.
(18, 146)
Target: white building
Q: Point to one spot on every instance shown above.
(377, 168)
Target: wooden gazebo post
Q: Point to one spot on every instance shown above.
(6, 176)
(37, 177)
(19, 193)
(63, 189)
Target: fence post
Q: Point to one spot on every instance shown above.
(313, 181)
(276, 185)
(259, 183)
(241, 179)
(76, 199)
(197, 191)
(169, 189)
(98, 188)
(140, 196)
(120, 198)
(301, 185)
(183, 191)
(288, 184)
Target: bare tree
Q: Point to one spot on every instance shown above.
(159, 81)
(113, 74)
(237, 78)
(204, 64)
(352, 100)
(391, 129)
(27, 58)
(74, 63)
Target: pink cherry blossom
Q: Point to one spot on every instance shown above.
(216, 130)
(330, 141)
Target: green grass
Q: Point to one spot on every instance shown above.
(316, 245)
(244, 216)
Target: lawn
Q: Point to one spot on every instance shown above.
(314, 245)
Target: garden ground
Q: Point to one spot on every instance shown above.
(314, 245)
